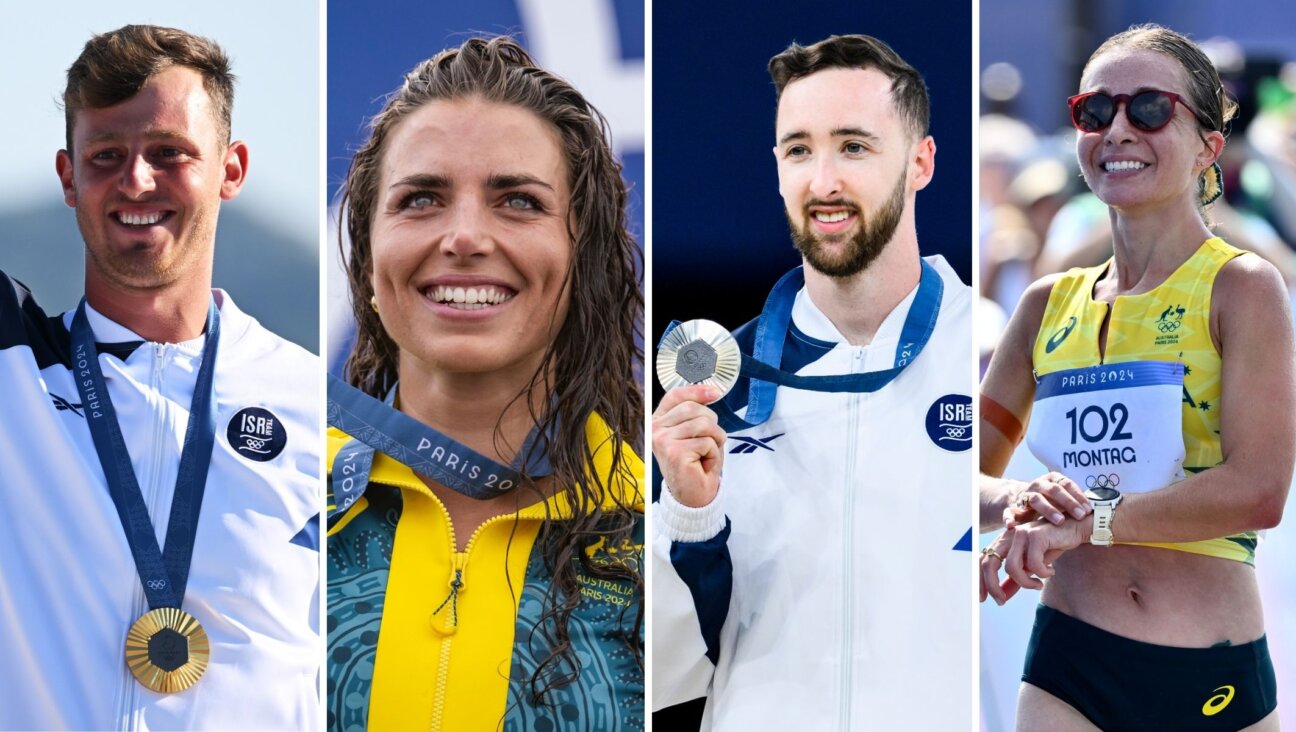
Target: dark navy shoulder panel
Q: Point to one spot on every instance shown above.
(707, 570)
(24, 323)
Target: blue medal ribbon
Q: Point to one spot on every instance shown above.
(762, 366)
(376, 425)
(164, 574)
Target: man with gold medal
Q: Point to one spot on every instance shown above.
(161, 449)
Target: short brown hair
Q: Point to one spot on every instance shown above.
(908, 90)
(114, 66)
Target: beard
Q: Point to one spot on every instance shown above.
(870, 237)
(139, 266)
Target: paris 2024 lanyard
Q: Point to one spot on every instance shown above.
(166, 649)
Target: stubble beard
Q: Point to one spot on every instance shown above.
(870, 238)
(141, 267)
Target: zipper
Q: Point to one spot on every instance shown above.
(449, 605)
(445, 617)
(140, 604)
(848, 549)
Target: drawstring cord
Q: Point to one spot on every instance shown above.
(452, 598)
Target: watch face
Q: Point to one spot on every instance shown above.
(1102, 494)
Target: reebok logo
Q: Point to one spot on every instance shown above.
(748, 445)
(64, 405)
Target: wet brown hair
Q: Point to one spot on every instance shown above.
(908, 90)
(114, 66)
(590, 368)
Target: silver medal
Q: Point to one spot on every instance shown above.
(699, 352)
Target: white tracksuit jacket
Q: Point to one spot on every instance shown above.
(68, 585)
(850, 542)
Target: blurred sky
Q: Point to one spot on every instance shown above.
(274, 47)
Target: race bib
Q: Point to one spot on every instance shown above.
(1113, 426)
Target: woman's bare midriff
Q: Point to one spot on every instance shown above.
(1156, 595)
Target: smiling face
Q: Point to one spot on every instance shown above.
(1131, 169)
(842, 162)
(146, 178)
(470, 237)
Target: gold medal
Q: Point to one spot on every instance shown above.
(167, 650)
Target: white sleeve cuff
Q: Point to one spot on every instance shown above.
(678, 522)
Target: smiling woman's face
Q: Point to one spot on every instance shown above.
(1129, 168)
(470, 237)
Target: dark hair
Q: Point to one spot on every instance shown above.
(908, 90)
(114, 66)
(591, 365)
(1205, 89)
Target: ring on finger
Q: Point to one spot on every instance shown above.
(1023, 501)
(990, 552)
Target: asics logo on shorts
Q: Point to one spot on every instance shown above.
(1216, 703)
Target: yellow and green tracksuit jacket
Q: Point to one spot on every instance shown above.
(421, 636)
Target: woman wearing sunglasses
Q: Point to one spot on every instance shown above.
(1158, 390)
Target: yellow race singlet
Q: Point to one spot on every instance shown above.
(1168, 323)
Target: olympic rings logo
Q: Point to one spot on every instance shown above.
(955, 431)
(1167, 326)
(1103, 481)
(156, 584)
(254, 443)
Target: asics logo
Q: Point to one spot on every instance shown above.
(1060, 336)
(1216, 703)
(748, 445)
(64, 405)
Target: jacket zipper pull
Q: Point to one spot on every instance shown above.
(456, 585)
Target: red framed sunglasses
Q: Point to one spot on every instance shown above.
(1147, 110)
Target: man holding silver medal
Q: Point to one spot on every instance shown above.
(159, 569)
(814, 538)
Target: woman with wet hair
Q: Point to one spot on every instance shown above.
(485, 528)
(1158, 390)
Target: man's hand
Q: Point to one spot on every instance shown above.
(689, 444)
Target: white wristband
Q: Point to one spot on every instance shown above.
(678, 522)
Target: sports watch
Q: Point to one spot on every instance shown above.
(1105, 501)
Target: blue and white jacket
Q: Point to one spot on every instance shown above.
(68, 585)
(830, 584)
